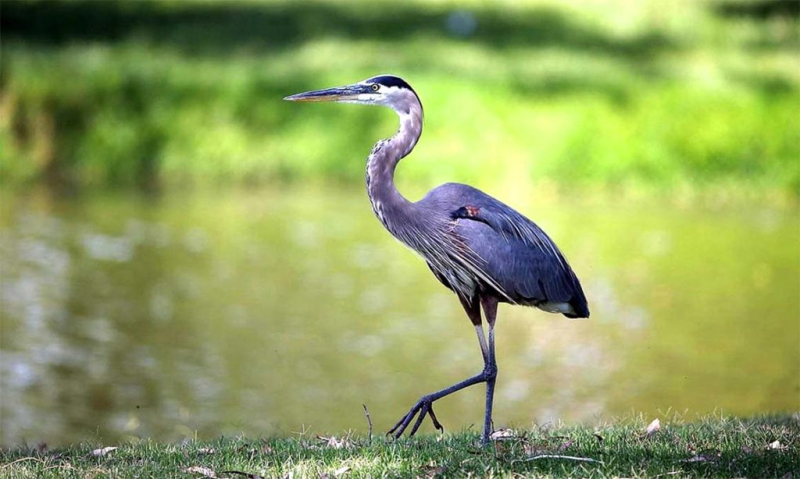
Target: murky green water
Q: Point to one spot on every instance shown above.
(273, 311)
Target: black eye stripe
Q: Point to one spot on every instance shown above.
(390, 81)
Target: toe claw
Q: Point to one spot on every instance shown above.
(424, 407)
(435, 421)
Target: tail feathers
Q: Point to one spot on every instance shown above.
(582, 311)
(571, 309)
(580, 308)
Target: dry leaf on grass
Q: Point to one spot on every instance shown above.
(501, 434)
(776, 445)
(334, 442)
(654, 427)
(340, 471)
(432, 470)
(103, 451)
(204, 471)
(336, 473)
(206, 450)
(697, 459)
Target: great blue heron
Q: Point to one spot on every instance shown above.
(480, 248)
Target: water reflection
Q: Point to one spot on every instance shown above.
(265, 311)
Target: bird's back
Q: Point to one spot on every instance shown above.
(522, 263)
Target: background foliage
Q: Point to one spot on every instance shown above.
(161, 93)
(200, 312)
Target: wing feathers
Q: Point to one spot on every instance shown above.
(525, 262)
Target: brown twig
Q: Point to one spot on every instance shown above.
(369, 421)
(557, 456)
(21, 460)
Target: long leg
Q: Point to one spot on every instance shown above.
(424, 406)
(490, 311)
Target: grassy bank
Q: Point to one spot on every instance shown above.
(99, 93)
(713, 447)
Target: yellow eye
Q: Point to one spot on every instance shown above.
(375, 87)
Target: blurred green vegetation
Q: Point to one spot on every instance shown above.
(161, 93)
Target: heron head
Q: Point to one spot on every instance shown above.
(384, 90)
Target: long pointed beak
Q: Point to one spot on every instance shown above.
(343, 93)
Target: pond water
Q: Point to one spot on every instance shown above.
(284, 310)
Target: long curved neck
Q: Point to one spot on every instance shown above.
(387, 202)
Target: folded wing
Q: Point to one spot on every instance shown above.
(518, 255)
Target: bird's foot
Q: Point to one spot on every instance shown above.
(423, 407)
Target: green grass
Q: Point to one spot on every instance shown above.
(713, 447)
(574, 93)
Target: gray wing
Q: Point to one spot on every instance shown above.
(516, 253)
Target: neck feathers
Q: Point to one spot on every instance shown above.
(387, 202)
